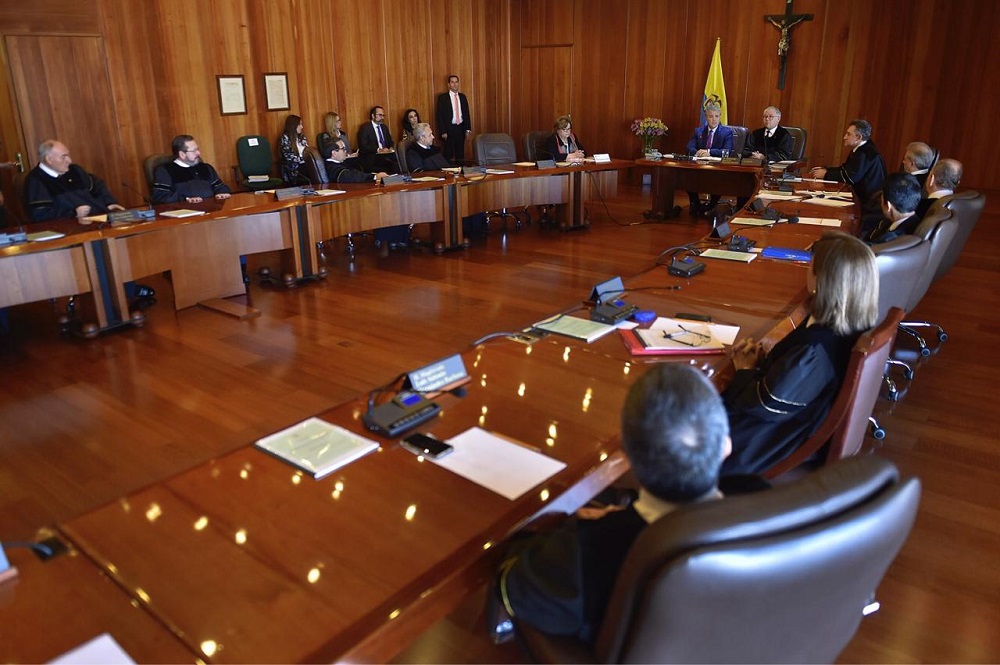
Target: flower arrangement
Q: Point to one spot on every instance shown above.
(648, 130)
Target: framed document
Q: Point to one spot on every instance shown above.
(232, 94)
(276, 91)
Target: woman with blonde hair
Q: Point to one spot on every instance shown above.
(777, 400)
(327, 140)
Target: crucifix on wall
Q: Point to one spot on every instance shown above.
(785, 22)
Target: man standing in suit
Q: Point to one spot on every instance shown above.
(375, 144)
(453, 121)
(864, 170)
(771, 142)
(709, 140)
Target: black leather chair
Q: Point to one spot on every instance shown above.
(493, 150)
(314, 166)
(534, 146)
(151, 163)
(739, 138)
(779, 576)
(401, 147)
(799, 146)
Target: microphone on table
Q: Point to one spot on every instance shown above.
(145, 198)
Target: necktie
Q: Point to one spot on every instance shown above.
(711, 137)
(381, 136)
(456, 114)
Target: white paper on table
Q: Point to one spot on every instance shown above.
(495, 463)
(833, 203)
(820, 221)
(101, 649)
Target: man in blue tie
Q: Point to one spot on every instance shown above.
(375, 144)
(709, 140)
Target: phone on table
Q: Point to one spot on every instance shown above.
(426, 445)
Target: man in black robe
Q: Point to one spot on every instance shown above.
(187, 179)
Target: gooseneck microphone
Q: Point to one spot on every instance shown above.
(145, 198)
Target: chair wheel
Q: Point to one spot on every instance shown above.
(924, 351)
(878, 433)
(893, 396)
(908, 374)
(942, 337)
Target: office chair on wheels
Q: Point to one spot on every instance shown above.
(491, 150)
(779, 576)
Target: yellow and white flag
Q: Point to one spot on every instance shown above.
(715, 86)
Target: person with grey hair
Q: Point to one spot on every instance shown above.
(423, 155)
(709, 140)
(942, 182)
(917, 161)
(58, 188)
(778, 399)
(864, 170)
(772, 142)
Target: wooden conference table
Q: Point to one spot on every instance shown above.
(202, 252)
(670, 175)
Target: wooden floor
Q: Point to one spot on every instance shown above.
(84, 422)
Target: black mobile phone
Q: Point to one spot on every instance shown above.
(426, 445)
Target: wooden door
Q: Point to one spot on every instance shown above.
(62, 91)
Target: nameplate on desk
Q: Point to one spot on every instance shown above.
(731, 160)
(128, 216)
(441, 375)
(543, 164)
(473, 171)
(291, 193)
(602, 158)
(11, 238)
(396, 179)
(752, 161)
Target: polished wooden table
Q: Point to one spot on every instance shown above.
(670, 175)
(267, 565)
(60, 604)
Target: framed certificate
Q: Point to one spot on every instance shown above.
(232, 94)
(276, 91)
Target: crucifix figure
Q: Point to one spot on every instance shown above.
(785, 22)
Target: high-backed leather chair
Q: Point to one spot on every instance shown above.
(151, 163)
(939, 228)
(778, 576)
(401, 147)
(534, 146)
(900, 263)
(967, 207)
(739, 138)
(253, 154)
(314, 165)
(493, 149)
(843, 430)
(799, 135)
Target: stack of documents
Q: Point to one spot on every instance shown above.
(316, 446)
(667, 336)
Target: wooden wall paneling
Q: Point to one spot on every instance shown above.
(597, 104)
(546, 87)
(49, 16)
(410, 76)
(653, 63)
(317, 29)
(546, 22)
(827, 122)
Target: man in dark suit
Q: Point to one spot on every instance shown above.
(187, 178)
(375, 145)
(864, 170)
(771, 142)
(709, 140)
(454, 123)
(337, 170)
(675, 433)
(900, 196)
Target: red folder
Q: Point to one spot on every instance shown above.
(637, 348)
